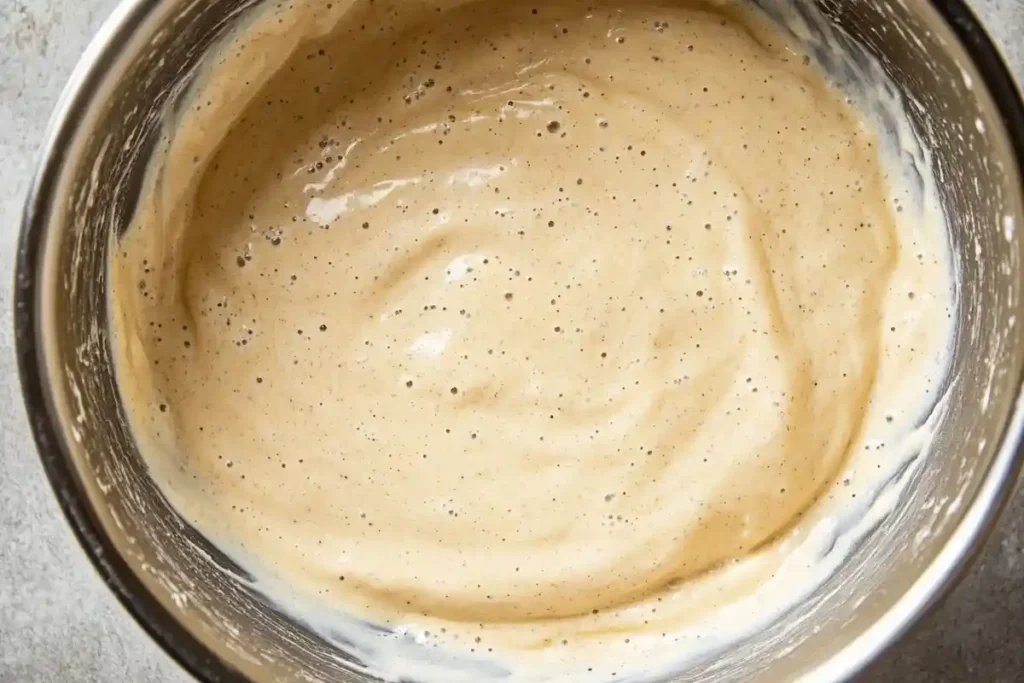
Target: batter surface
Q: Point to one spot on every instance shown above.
(536, 331)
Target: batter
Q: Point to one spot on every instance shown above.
(541, 333)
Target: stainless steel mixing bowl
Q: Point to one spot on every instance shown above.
(188, 596)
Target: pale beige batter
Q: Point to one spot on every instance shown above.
(514, 324)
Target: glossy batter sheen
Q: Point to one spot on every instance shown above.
(517, 324)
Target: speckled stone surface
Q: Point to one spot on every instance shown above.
(58, 622)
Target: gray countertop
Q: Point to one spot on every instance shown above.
(60, 624)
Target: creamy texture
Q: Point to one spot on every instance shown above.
(545, 332)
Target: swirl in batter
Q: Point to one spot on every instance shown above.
(521, 324)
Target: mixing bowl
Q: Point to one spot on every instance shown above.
(195, 602)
